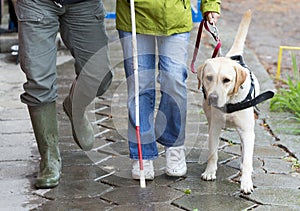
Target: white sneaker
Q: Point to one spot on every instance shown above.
(175, 161)
(148, 169)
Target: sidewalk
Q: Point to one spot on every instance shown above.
(100, 179)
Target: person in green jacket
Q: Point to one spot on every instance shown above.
(162, 26)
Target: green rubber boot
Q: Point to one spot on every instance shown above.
(74, 106)
(44, 123)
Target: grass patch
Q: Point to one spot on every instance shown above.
(288, 99)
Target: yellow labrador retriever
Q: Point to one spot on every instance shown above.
(228, 86)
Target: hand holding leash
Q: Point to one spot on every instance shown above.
(212, 17)
(214, 33)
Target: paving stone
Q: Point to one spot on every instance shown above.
(71, 158)
(65, 129)
(291, 143)
(223, 172)
(86, 204)
(15, 126)
(275, 180)
(276, 196)
(19, 112)
(234, 149)
(193, 154)
(11, 170)
(104, 112)
(17, 139)
(277, 166)
(203, 128)
(282, 123)
(277, 208)
(117, 181)
(207, 187)
(262, 151)
(268, 152)
(194, 115)
(212, 202)
(117, 148)
(75, 173)
(203, 156)
(257, 164)
(230, 135)
(111, 135)
(120, 165)
(192, 128)
(141, 196)
(77, 189)
(147, 207)
(119, 108)
(14, 194)
(100, 143)
(165, 180)
(7, 153)
(65, 144)
(196, 141)
(263, 136)
(108, 123)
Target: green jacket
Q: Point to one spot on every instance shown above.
(160, 17)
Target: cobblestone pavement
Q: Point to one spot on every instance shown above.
(100, 179)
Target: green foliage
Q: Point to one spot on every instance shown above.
(187, 191)
(288, 99)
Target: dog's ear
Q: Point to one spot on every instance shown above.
(241, 76)
(200, 71)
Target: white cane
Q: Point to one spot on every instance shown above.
(136, 92)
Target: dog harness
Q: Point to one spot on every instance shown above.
(249, 101)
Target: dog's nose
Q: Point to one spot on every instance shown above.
(213, 99)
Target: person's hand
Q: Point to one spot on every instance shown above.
(212, 17)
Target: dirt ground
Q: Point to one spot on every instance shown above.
(274, 23)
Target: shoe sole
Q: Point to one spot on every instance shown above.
(176, 175)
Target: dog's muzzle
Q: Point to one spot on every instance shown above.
(213, 99)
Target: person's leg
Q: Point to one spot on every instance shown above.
(171, 118)
(146, 68)
(172, 78)
(13, 21)
(83, 31)
(38, 26)
(146, 73)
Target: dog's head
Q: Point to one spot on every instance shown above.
(220, 78)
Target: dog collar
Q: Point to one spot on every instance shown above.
(249, 101)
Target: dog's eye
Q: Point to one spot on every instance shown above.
(209, 78)
(226, 80)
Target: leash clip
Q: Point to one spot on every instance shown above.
(215, 31)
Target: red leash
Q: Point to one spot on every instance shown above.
(215, 35)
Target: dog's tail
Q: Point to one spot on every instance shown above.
(240, 38)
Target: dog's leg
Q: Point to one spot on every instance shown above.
(247, 140)
(213, 144)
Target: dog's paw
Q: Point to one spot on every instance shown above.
(246, 185)
(209, 175)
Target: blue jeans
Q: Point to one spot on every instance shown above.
(167, 125)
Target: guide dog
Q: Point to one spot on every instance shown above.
(227, 86)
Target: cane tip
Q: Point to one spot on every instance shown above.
(143, 182)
